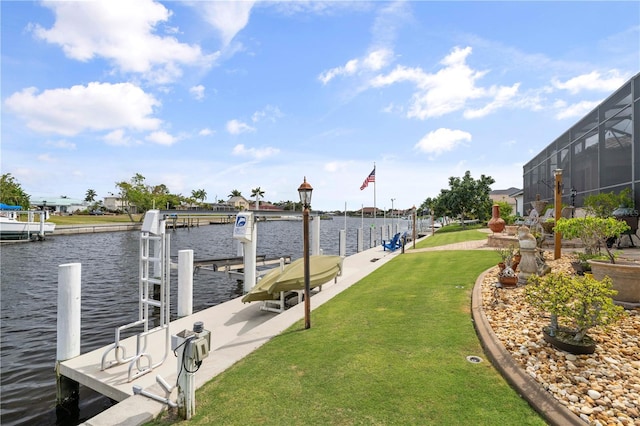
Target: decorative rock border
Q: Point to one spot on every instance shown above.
(529, 389)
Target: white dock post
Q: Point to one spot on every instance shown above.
(185, 283)
(41, 233)
(343, 242)
(315, 236)
(360, 239)
(250, 253)
(68, 332)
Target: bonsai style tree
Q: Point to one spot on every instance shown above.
(603, 204)
(593, 231)
(583, 301)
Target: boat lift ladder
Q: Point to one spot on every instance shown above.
(154, 280)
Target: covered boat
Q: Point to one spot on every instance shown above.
(13, 229)
(291, 278)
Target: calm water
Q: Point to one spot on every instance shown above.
(29, 280)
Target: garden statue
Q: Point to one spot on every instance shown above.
(528, 245)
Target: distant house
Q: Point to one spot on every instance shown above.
(368, 211)
(238, 202)
(265, 206)
(113, 203)
(59, 204)
(507, 196)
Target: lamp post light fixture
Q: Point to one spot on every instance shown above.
(557, 173)
(392, 200)
(305, 199)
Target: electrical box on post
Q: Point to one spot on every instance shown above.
(151, 223)
(243, 227)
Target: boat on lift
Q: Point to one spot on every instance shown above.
(13, 229)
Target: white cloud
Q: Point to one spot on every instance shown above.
(227, 17)
(122, 32)
(95, 107)
(501, 96)
(161, 138)
(450, 89)
(592, 81)
(197, 92)
(241, 150)
(46, 158)
(236, 127)
(62, 144)
(577, 110)
(442, 140)
(206, 132)
(269, 113)
(374, 61)
(337, 166)
(117, 138)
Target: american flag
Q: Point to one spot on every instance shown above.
(370, 178)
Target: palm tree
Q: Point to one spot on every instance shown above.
(199, 194)
(90, 196)
(235, 193)
(258, 193)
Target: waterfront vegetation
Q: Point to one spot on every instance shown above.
(391, 349)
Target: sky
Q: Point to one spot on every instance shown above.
(225, 96)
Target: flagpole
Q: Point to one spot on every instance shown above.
(375, 210)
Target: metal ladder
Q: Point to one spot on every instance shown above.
(154, 273)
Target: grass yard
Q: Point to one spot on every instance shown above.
(390, 350)
(440, 239)
(78, 219)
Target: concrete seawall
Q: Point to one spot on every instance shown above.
(90, 229)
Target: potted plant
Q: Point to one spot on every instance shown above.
(507, 275)
(548, 225)
(575, 305)
(594, 233)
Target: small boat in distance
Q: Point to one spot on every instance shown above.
(13, 229)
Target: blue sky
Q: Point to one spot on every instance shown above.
(238, 95)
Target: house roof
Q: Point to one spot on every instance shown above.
(508, 191)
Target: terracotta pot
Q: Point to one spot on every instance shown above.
(588, 346)
(508, 281)
(496, 224)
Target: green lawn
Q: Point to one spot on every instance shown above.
(78, 219)
(390, 350)
(440, 239)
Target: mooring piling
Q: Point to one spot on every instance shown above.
(68, 334)
(185, 283)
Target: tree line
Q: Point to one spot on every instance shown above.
(466, 198)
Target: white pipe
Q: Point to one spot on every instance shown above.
(360, 231)
(68, 317)
(343, 242)
(42, 226)
(185, 283)
(315, 236)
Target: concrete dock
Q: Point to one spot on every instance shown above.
(237, 329)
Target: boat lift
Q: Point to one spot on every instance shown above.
(154, 279)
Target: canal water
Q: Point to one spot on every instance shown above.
(29, 274)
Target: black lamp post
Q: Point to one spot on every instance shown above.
(305, 199)
(574, 192)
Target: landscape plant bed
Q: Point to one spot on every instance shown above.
(602, 388)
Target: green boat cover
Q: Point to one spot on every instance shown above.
(321, 270)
